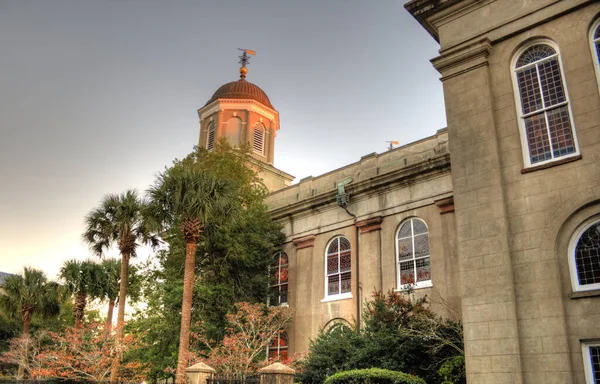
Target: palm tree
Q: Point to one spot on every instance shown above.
(82, 279)
(119, 220)
(187, 198)
(110, 288)
(29, 295)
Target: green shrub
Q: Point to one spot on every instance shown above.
(373, 376)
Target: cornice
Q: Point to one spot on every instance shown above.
(446, 205)
(244, 104)
(304, 241)
(408, 175)
(464, 59)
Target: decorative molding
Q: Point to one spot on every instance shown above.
(446, 205)
(304, 242)
(243, 104)
(467, 58)
(370, 225)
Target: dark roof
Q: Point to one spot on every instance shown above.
(3, 276)
(241, 89)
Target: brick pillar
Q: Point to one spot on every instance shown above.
(370, 249)
(198, 373)
(487, 284)
(304, 288)
(277, 373)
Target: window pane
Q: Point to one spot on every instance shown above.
(423, 269)
(537, 138)
(535, 53)
(405, 250)
(598, 48)
(344, 244)
(407, 272)
(333, 247)
(552, 86)
(529, 90)
(345, 261)
(332, 264)
(595, 357)
(587, 256)
(405, 230)
(346, 285)
(421, 245)
(283, 294)
(560, 131)
(333, 285)
(419, 226)
(597, 35)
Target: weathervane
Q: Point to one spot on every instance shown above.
(245, 60)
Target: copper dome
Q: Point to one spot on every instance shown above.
(241, 89)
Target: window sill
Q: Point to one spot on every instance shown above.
(426, 284)
(584, 294)
(342, 296)
(551, 164)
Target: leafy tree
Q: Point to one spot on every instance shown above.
(398, 334)
(110, 269)
(119, 220)
(232, 260)
(82, 279)
(27, 296)
(192, 200)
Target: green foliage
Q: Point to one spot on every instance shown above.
(453, 370)
(373, 376)
(232, 261)
(397, 334)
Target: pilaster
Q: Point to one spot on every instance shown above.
(304, 288)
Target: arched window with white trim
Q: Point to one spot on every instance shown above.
(338, 268)
(545, 118)
(211, 136)
(584, 256)
(412, 254)
(279, 278)
(595, 46)
(258, 139)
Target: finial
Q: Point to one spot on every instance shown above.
(245, 60)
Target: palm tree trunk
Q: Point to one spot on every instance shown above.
(26, 325)
(109, 316)
(114, 369)
(80, 304)
(186, 312)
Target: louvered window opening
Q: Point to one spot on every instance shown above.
(587, 256)
(413, 253)
(338, 266)
(210, 137)
(279, 346)
(544, 104)
(259, 139)
(279, 278)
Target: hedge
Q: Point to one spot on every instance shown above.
(373, 376)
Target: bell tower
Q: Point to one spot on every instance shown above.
(242, 112)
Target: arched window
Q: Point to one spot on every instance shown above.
(279, 278)
(279, 346)
(412, 254)
(258, 139)
(211, 136)
(338, 268)
(584, 256)
(595, 45)
(547, 132)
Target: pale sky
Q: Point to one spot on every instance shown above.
(98, 96)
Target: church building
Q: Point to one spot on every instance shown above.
(495, 218)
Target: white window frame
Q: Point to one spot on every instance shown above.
(587, 363)
(595, 27)
(279, 348)
(279, 284)
(572, 264)
(519, 107)
(211, 127)
(337, 296)
(264, 136)
(419, 284)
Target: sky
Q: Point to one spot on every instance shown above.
(99, 96)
